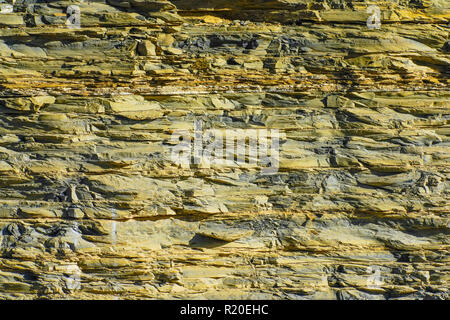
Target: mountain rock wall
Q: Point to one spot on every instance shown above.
(94, 206)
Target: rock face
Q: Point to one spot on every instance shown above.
(93, 205)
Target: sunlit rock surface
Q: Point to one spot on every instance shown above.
(92, 206)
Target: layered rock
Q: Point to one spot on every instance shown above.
(93, 205)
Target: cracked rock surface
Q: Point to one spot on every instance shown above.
(92, 205)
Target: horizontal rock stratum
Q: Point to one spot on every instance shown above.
(93, 205)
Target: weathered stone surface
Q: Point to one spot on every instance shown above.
(92, 205)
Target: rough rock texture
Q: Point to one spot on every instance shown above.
(92, 206)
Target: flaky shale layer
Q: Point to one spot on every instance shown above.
(93, 205)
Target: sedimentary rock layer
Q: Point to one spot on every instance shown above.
(93, 205)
